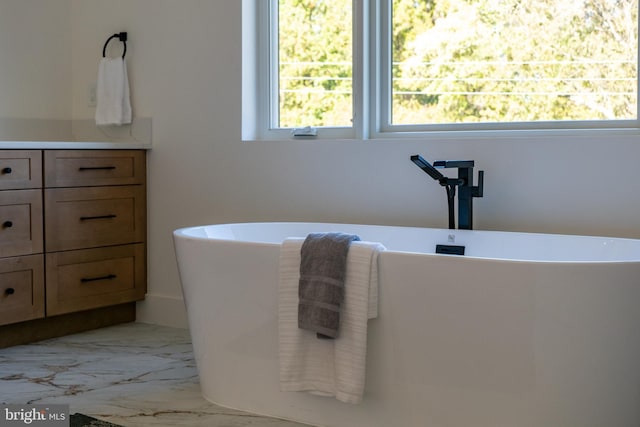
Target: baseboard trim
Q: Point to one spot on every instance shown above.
(162, 310)
(65, 324)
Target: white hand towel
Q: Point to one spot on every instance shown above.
(335, 367)
(112, 91)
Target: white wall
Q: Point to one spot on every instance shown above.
(184, 60)
(35, 69)
(35, 53)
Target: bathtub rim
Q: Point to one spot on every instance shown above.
(183, 233)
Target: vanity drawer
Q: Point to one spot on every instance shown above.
(94, 216)
(20, 222)
(20, 169)
(78, 168)
(91, 278)
(21, 289)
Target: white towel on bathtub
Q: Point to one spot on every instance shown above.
(335, 367)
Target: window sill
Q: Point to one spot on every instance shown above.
(466, 135)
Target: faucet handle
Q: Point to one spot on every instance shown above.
(453, 164)
(478, 190)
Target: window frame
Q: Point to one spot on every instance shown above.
(268, 103)
(372, 89)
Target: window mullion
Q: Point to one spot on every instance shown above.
(274, 66)
(361, 68)
(383, 66)
(263, 78)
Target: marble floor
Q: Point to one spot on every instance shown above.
(133, 375)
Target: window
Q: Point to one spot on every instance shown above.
(313, 73)
(391, 67)
(553, 62)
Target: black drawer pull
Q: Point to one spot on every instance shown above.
(95, 279)
(6, 171)
(7, 224)
(9, 291)
(89, 218)
(95, 168)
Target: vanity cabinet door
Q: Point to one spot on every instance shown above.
(20, 222)
(90, 217)
(91, 278)
(20, 169)
(21, 289)
(83, 168)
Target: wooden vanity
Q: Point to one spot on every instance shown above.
(72, 240)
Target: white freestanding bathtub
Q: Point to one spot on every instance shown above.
(524, 330)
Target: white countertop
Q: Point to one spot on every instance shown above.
(67, 145)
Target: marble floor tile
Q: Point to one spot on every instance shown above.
(134, 375)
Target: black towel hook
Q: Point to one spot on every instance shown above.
(122, 37)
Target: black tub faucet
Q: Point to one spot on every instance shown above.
(466, 190)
